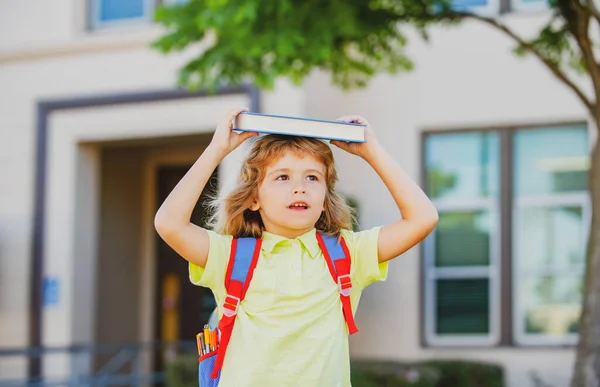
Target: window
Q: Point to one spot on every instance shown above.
(463, 251)
(109, 13)
(482, 7)
(529, 5)
(548, 219)
(496, 7)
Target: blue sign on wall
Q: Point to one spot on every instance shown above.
(51, 291)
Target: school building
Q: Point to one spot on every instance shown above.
(94, 134)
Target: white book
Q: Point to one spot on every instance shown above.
(297, 126)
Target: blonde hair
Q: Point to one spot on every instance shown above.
(232, 215)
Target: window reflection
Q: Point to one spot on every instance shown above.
(551, 237)
(553, 304)
(462, 165)
(463, 239)
(551, 160)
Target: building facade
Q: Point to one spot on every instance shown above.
(93, 135)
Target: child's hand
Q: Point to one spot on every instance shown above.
(224, 139)
(358, 148)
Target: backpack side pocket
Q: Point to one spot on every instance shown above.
(206, 365)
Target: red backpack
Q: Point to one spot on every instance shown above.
(242, 261)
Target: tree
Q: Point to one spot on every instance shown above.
(260, 41)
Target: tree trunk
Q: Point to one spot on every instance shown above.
(587, 363)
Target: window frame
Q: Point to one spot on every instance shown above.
(465, 272)
(507, 272)
(491, 272)
(574, 199)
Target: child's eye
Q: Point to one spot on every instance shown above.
(282, 177)
(312, 178)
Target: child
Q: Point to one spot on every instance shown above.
(290, 329)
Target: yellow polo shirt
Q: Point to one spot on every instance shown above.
(290, 329)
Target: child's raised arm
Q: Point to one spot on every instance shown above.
(419, 216)
(172, 221)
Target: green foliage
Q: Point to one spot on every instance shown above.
(353, 203)
(393, 374)
(555, 43)
(440, 182)
(466, 374)
(449, 373)
(182, 372)
(260, 41)
(433, 373)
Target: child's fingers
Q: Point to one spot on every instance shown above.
(340, 144)
(353, 118)
(231, 114)
(246, 135)
(235, 111)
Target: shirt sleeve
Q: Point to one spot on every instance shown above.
(212, 276)
(362, 246)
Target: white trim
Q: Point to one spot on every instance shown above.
(551, 200)
(461, 272)
(65, 232)
(564, 269)
(463, 341)
(531, 339)
(459, 204)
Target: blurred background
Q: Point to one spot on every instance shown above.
(94, 133)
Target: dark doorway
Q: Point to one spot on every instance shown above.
(182, 308)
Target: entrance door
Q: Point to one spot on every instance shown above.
(182, 308)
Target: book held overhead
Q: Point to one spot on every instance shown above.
(297, 126)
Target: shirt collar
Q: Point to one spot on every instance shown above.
(307, 240)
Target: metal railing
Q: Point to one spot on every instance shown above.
(129, 364)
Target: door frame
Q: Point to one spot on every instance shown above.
(69, 135)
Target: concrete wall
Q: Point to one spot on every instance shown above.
(465, 78)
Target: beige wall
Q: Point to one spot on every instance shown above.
(466, 77)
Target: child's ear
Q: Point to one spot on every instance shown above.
(254, 206)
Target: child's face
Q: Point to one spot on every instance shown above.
(292, 195)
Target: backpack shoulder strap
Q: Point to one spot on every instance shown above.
(242, 261)
(339, 262)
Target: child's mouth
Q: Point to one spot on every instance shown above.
(298, 206)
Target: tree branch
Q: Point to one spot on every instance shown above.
(551, 66)
(592, 9)
(580, 30)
